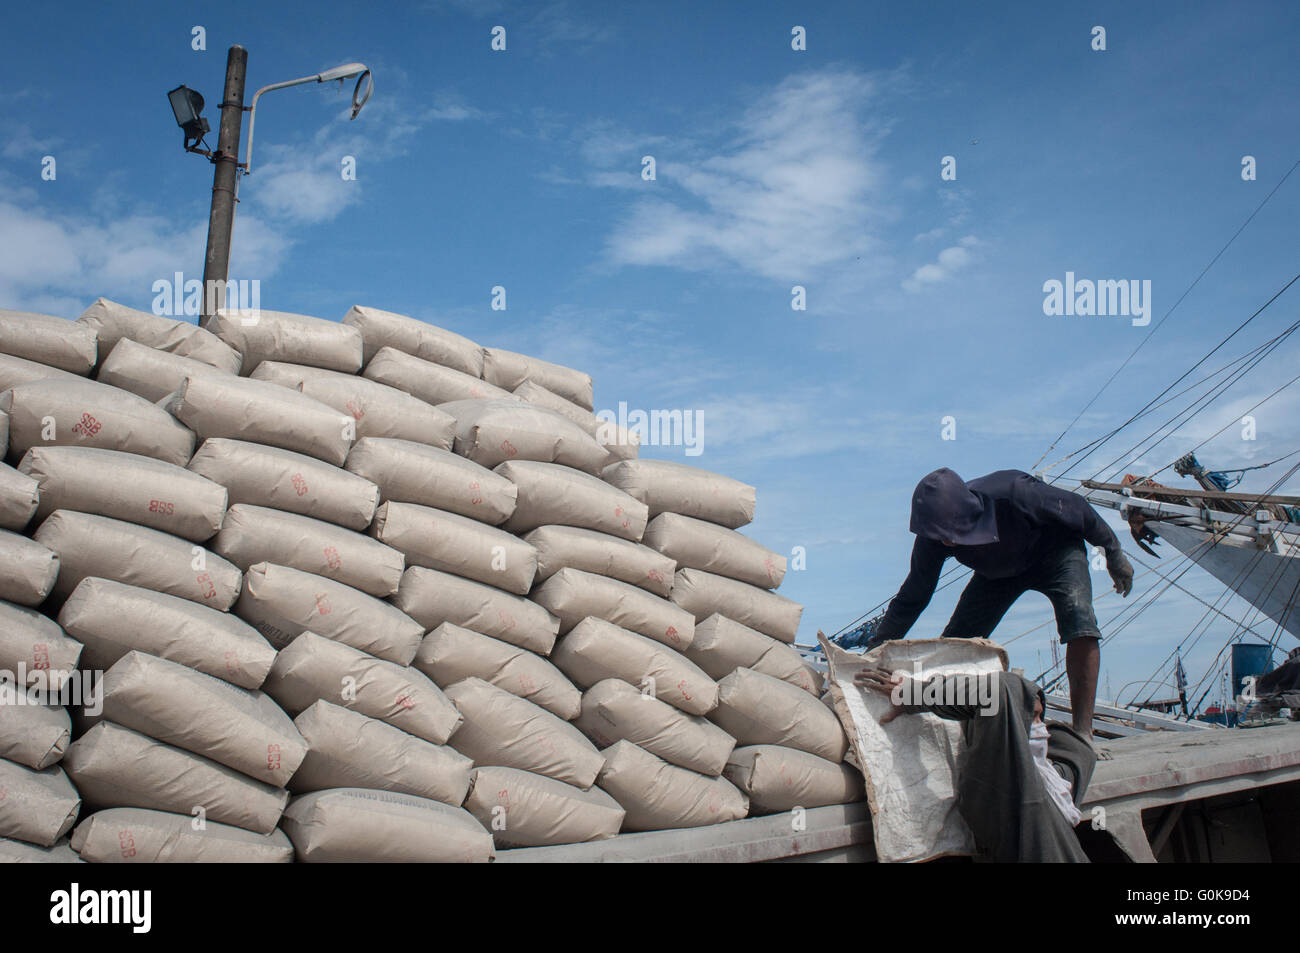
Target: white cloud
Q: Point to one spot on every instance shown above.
(546, 28)
(795, 191)
(21, 144)
(59, 261)
(950, 261)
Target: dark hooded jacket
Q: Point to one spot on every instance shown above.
(1001, 525)
(999, 792)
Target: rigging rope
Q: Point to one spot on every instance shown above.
(1161, 322)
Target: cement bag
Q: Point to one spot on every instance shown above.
(127, 487)
(612, 711)
(430, 382)
(19, 498)
(113, 619)
(39, 807)
(596, 650)
(431, 598)
(312, 667)
(91, 545)
(27, 569)
(4, 435)
(721, 646)
(289, 375)
(347, 749)
(757, 709)
(554, 494)
(456, 544)
(909, 762)
(150, 373)
(508, 369)
(17, 370)
(85, 413)
(113, 766)
(702, 594)
(132, 835)
(450, 654)
(282, 603)
(381, 329)
(17, 852)
(408, 472)
(619, 442)
(572, 595)
(288, 481)
(36, 643)
(171, 703)
(258, 534)
(523, 809)
(494, 431)
(667, 487)
(292, 338)
(260, 412)
(571, 547)
(382, 411)
(504, 730)
(535, 393)
(661, 796)
(48, 340)
(696, 544)
(379, 410)
(356, 825)
(776, 779)
(113, 322)
(32, 734)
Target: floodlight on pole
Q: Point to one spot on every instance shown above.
(187, 106)
(340, 73)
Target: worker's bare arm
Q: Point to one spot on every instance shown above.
(883, 682)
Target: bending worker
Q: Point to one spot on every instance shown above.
(1017, 533)
(1021, 780)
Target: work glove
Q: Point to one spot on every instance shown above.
(1121, 571)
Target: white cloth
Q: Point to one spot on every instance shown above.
(1058, 789)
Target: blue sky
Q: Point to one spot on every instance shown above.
(775, 168)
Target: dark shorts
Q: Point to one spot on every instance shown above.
(1062, 575)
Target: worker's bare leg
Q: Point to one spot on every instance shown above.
(1082, 662)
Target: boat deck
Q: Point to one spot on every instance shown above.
(1152, 770)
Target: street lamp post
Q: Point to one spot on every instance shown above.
(187, 106)
(225, 184)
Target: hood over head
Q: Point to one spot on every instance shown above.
(944, 508)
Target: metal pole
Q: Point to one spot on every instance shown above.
(225, 184)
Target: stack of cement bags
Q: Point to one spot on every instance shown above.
(378, 781)
(468, 575)
(369, 591)
(118, 520)
(789, 753)
(40, 803)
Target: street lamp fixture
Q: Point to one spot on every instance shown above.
(187, 105)
(340, 73)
